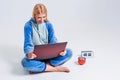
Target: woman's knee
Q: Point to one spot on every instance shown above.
(33, 65)
(69, 52)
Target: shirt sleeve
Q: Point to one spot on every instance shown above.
(28, 44)
(51, 34)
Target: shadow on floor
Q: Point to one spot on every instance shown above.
(12, 55)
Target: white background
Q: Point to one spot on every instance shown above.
(85, 24)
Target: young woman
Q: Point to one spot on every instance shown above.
(37, 31)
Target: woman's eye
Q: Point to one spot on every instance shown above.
(44, 17)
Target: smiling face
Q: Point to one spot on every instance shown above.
(40, 18)
(40, 13)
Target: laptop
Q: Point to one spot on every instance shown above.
(48, 51)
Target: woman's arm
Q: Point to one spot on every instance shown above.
(51, 34)
(28, 44)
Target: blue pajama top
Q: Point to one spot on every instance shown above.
(28, 35)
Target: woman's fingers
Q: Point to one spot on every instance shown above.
(63, 53)
(31, 56)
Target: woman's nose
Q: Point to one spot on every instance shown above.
(41, 20)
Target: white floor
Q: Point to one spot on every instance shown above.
(105, 65)
(85, 24)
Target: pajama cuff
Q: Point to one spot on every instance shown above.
(44, 68)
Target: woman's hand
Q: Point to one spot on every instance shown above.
(63, 53)
(31, 56)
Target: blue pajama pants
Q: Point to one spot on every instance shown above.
(40, 65)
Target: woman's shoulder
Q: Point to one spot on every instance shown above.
(48, 24)
(29, 23)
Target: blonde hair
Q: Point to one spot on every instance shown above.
(40, 9)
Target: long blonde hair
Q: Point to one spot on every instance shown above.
(40, 9)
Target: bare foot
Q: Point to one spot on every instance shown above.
(50, 68)
(62, 69)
